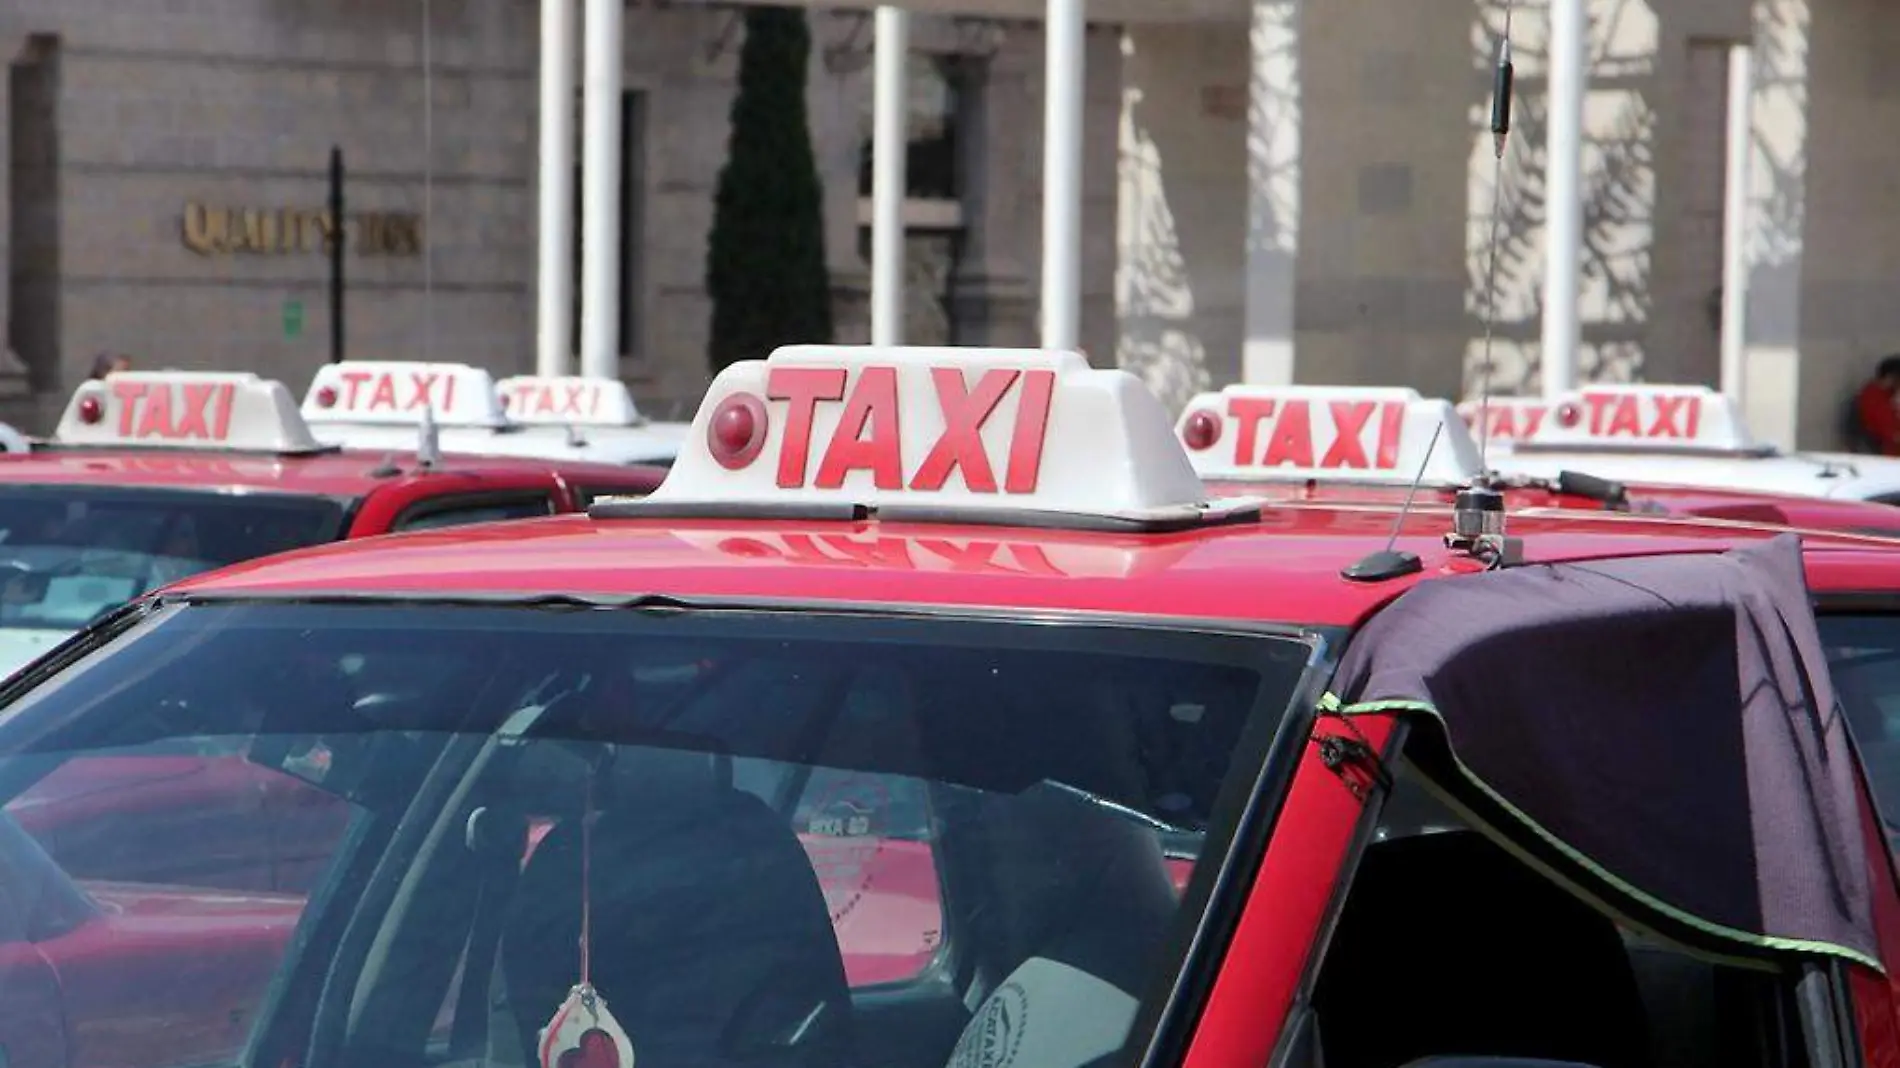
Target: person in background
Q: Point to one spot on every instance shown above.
(1875, 408)
(109, 363)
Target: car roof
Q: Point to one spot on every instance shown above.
(1754, 506)
(1283, 567)
(341, 473)
(1813, 475)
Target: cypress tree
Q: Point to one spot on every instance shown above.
(765, 266)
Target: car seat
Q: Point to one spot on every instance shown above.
(1073, 909)
(711, 942)
(1449, 946)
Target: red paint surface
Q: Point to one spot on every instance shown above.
(1283, 567)
(1289, 900)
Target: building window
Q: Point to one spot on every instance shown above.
(930, 163)
(633, 114)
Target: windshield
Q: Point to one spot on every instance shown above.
(68, 554)
(789, 838)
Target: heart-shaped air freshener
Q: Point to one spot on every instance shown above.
(583, 1034)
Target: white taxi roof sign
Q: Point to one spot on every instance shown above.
(1642, 418)
(1509, 420)
(987, 435)
(1374, 434)
(186, 410)
(567, 400)
(396, 393)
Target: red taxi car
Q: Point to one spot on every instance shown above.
(153, 476)
(988, 584)
(1386, 445)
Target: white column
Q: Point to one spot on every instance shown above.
(560, 52)
(1563, 191)
(889, 144)
(1735, 225)
(1062, 175)
(600, 190)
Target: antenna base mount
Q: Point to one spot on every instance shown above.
(1381, 566)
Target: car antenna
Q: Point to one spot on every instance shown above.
(1391, 562)
(1478, 512)
(1502, 78)
(428, 441)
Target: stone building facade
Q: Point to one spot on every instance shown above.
(167, 171)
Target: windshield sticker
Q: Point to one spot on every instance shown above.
(844, 840)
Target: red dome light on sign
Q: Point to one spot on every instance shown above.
(736, 432)
(1202, 430)
(326, 397)
(1569, 415)
(91, 411)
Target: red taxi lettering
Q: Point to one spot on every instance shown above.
(1506, 421)
(580, 399)
(1517, 424)
(384, 396)
(1290, 442)
(1621, 416)
(801, 388)
(189, 411)
(868, 435)
(964, 411)
(873, 404)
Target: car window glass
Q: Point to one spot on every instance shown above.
(780, 814)
(1864, 662)
(173, 872)
(437, 516)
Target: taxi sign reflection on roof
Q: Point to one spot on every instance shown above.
(567, 400)
(186, 409)
(396, 393)
(980, 434)
(1642, 418)
(1326, 433)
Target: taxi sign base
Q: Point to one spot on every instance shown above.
(1149, 521)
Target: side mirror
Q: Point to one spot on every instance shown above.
(1492, 1062)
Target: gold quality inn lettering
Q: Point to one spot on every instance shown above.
(213, 230)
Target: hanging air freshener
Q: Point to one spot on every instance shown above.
(583, 1034)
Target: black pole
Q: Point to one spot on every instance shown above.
(337, 232)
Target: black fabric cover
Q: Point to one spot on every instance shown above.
(1663, 725)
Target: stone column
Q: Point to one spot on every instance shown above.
(992, 300)
(839, 79)
(1273, 190)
